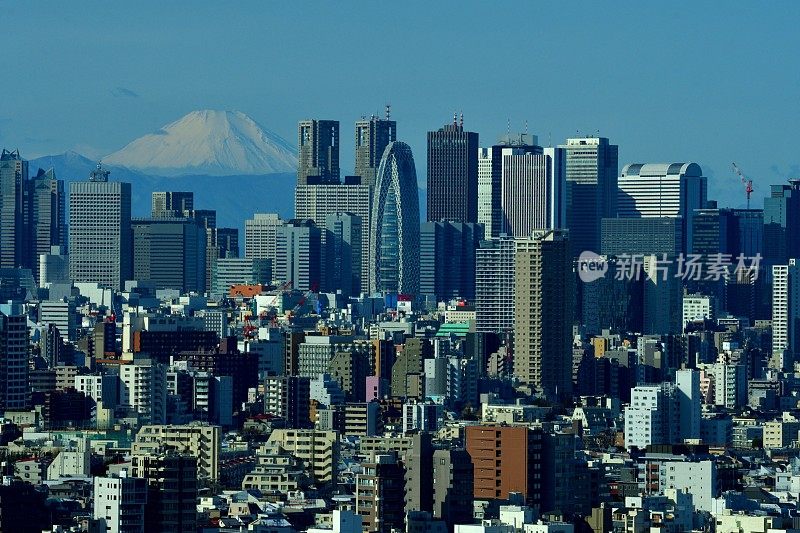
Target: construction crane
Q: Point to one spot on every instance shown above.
(748, 183)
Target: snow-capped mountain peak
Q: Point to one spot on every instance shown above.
(208, 142)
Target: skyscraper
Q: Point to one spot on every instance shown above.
(447, 259)
(14, 347)
(13, 175)
(781, 223)
(453, 174)
(641, 236)
(171, 204)
(100, 231)
(485, 192)
(316, 202)
(786, 310)
(532, 190)
(170, 252)
(490, 178)
(591, 193)
(46, 226)
(494, 285)
(372, 137)
(318, 152)
(343, 253)
(394, 233)
(543, 312)
(298, 255)
(260, 236)
(671, 190)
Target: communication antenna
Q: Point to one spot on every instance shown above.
(462, 119)
(388, 111)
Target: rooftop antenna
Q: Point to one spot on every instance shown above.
(508, 128)
(526, 127)
(388, 111)
(455, 119)
(550, 139)
(462, 119)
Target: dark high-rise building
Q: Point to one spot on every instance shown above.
(372, 138)
(221, 243)
(13, 175)
(453, 174)
(170, 252)
(343, 253)
(592, 165)
(171, 491)
(288, 397)
(318, 152)
(171, 204)
(453, 486)
(379, 494)
(640, 236)
(447, 259)
(394, 232)
(782, 223)
(46, 225)
(14, 350)
(418, 480)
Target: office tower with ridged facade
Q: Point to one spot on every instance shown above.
(394, 233)
(13, 175)
(452, 185)
(45, 220)
(100, 231)
(318, 152)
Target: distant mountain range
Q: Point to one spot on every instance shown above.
(208, 143)
(225, 158)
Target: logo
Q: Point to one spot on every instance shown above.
(591, 266)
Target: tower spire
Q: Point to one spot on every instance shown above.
(388, 111)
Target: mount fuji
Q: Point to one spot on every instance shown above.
(209, 143)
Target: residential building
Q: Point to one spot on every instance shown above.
(119, 503)
(198, 440)
(544, 287)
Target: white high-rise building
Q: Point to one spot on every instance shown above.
(485, 190)
(698, 307)
(260, 236)
(532, 190)
(119, 503)
(100, 231)
(785, 308)
(664, 414)
(659, 190)
(144, 389)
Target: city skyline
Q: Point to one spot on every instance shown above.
(677, 82)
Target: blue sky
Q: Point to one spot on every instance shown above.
(711, 82)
